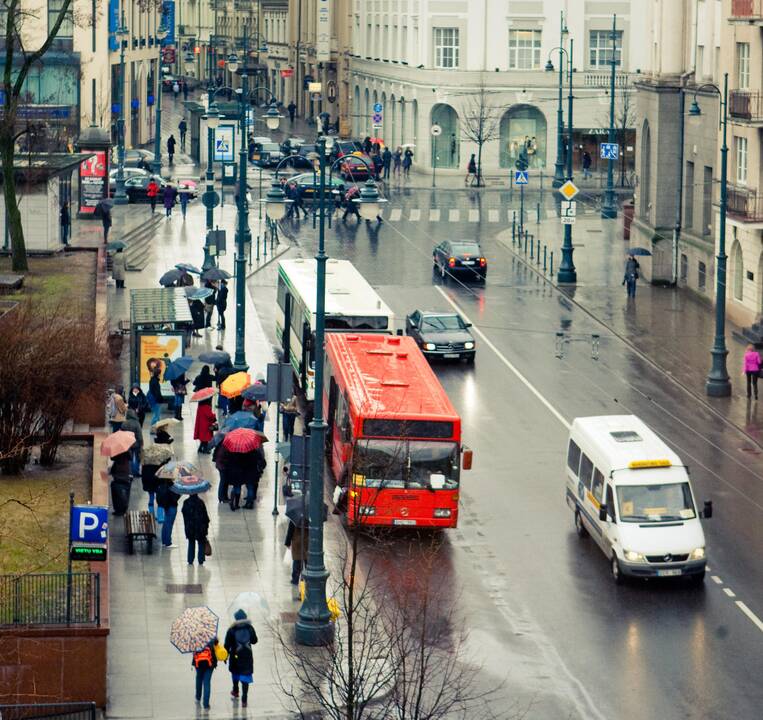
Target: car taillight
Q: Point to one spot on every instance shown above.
(483, 262)
(452, 262)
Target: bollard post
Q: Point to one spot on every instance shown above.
(537, 213)
(551, 265)
(544, 259)
(532, 245)
(513, 228)
(537, 253)
(525, 246)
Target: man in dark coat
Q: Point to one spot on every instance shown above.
(209, 303)
(292, 108)
(296, 539)
(222, 304)
(196, 522)
(132, 424)
(120, 485)
(171, 142)
(238, 642)
(155, 398)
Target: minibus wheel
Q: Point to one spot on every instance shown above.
(698, 579)
(579, 527)
(614, 567)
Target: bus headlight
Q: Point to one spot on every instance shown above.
(697, 554)
(429, 346)
(366, 510)
(469, 345)
(442, 512)
(632, 556)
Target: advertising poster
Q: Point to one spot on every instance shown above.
(323, 36)
(93, 182)
(157, 349)
(224, 143)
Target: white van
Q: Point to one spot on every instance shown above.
(632, 494)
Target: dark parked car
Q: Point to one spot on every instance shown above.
(137, 186)
(310, 185)
(441, 335)
(346, 147)
(462, 257)
(353, 168)
(129, 172)
(267, 154)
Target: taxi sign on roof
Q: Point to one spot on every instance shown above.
(643, 464)
(569, 190)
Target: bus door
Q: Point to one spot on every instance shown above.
(286, 337)
(341, 438)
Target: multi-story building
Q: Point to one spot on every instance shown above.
(276, 32)
(677, 155)
(434, 63)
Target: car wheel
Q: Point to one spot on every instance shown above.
(443, 274)
(698, 579)
(579, 527)
(614, 568)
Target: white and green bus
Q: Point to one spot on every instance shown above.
(352, 305)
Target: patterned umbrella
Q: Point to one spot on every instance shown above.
(156, 454)
(177, 469)
(203, 394)
(190, 485)
(166, 422)
(193, 629)
(235, 384)
(117, 443)
(242, 440)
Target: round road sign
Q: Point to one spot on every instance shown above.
(436, 130)
(378, 107)
(210, 199)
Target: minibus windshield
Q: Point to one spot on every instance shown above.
(655, 503)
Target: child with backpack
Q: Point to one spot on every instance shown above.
(238, 642)
(205, 662)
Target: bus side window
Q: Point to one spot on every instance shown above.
(573, 457)
(598, 485)
(586, 470)
(610, 504)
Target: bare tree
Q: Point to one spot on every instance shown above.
(481, 123)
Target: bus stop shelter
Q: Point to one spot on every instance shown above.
(160, 331)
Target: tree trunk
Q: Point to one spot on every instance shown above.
(479, 165)
(18, 246)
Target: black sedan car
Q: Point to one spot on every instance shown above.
(310, 184)
(460, 257)
(136, 188)
(267, 155)
(441, 335)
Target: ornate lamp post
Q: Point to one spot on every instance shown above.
(120, 196)
(559, 164)
(156, 165)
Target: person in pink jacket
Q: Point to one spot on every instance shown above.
(751, 370)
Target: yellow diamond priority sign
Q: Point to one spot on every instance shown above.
(569, 190)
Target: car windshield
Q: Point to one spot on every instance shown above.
(655, 503)
(271, 147)
(406, 464)
(469, 248)
(438, 323)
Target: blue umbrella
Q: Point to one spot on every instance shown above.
(170, 277)
(177, 368)
(258, 391)
(216, 440)
(187, 267)
(190, 485)
(215, 357)
(200, 293)
(638, 251)
(241, 419)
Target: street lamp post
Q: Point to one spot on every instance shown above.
(120, 196)
(156, 165)
(314, 627)
(609, 207)
(559, 164)
(718, 383)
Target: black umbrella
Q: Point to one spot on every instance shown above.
(296, 510)
(103, 206)
(215, 273)
(638, 251)
(258, 391)
(215, 357)
(170, 277)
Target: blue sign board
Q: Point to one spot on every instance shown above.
(89, 524)
(521, 177)
(225, 143)
(378, 107)
(168, 18)
(609, 151)
(113, 24)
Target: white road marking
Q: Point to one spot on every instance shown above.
(492, 215)
(474, 215)
(434, 215)
(507, 362)
(395, 214)
(717, 580)
(415, 215)
(454, 215)
(729, 592)
(750, 614)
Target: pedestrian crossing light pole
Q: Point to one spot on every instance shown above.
(609, 207)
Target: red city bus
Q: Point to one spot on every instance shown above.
(393, 435)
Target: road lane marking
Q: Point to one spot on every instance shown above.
(492, 215)
(395, 214)
(415, 215)
(750, 614)
(507, 362)
(454, 215)
(434, 215)
(474, 215)
(729, 592)
(717, 580)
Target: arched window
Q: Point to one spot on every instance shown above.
(392, 123)
(384, 124)
(738, 271)
(356, 111)
(364, 121)
(522, 125)
(446, 146)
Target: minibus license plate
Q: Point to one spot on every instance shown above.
(398, 521)
(668, 573)
(450, 356)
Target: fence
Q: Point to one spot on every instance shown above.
(746, 105)
(49, 711)
(49, 599)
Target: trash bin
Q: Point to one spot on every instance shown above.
(627, 219)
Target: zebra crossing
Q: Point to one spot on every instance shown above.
(471, 215)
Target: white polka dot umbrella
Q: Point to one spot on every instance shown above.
(192, 630)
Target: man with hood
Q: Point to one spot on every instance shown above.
(238, 642)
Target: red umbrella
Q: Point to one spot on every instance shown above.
(203, 394)
(242, 440)
(117, 443)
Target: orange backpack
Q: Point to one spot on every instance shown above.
(203, 658)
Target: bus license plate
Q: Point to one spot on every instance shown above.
(450, 356)
(668, 573)
(398, 521)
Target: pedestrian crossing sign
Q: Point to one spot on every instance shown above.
(222, 146)
(521, 177)
(569, 190)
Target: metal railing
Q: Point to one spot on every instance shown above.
(50, 599)
(746, 105)
(747, 9)
(49, 711)
(603, 79)
(743, 204)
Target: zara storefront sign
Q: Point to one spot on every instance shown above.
(323, 35)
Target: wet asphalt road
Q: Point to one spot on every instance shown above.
(541, 604)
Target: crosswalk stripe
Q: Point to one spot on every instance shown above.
(492, 215)
(415, 215)
(395, 214)
(454, 215)
(474, 215)
(434, 215)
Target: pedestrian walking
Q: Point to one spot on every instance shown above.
(65, 224)
(292, 108)
(397, 159)
(168, 198)
(203, 380)
(586, 165)
(222, 371)
(150, 484)
(154, 396)
(209, 303)
(116, 409)
(106, 222)
(296, 539)
(205, 661)
(350, 207)
(152, 191)
(238, 642)
(184, 196)
(196, 525)
(471, 170)
(183, 128)
(205, 425)
(222, 304)
(171, 142)
(176, 90)
(367, 145)
(179, 390)
(378, 163)
(752, 370)
(131, 424)
(186, 90)
(631, 275)
(118, 268)
(120, 483)
(386, 162)
(137, 401)
(197, 313)
(168, 501)
(407, 162)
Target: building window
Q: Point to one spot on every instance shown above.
(699, 69)
(67, 26)
(707, 200)
(600, 47)
(743, 65)
(446, 47)
(741, 160)
(689, 196)
(684, 268)
(701, 275)
(524, 49)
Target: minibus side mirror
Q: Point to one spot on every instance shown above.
(466, 460)
(707, 513)
(467, 324)
(603, 512)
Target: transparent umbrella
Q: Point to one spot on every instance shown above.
(253, 604)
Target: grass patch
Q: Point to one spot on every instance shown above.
(34, 511)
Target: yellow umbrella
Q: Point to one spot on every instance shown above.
(235, 384)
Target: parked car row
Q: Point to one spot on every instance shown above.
(137, 180)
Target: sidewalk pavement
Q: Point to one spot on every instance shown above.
(673, 328)
(147, 677)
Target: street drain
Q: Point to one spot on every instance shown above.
(184, 589)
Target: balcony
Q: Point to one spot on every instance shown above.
(744, 205)
(604, 78)
(746, 11)
(747, 106)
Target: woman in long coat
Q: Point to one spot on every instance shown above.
(203, 428)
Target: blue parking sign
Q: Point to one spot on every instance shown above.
(609, 151)
(89, 524)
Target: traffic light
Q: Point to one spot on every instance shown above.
(522, 162)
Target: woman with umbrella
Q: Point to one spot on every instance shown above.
(197, 313)
(205, 424)
(196, 523)
(167, 500)
(203, 380)
(117, 447)
(152, 192)
(155, 398)
(238, 642)
(178, 388)
(132, 425)
(154, 456)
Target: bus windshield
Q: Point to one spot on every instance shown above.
(655, 503)
(399, 464)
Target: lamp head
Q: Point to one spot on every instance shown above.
(232, 63)
(694, 110)
(272, 117)
(549, 66)
(369, 201)
(213, 117)
(275, 201)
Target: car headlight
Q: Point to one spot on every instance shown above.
(697, 554)
(429, 346)
(632, 556)
(442, 512)
(469, 345)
